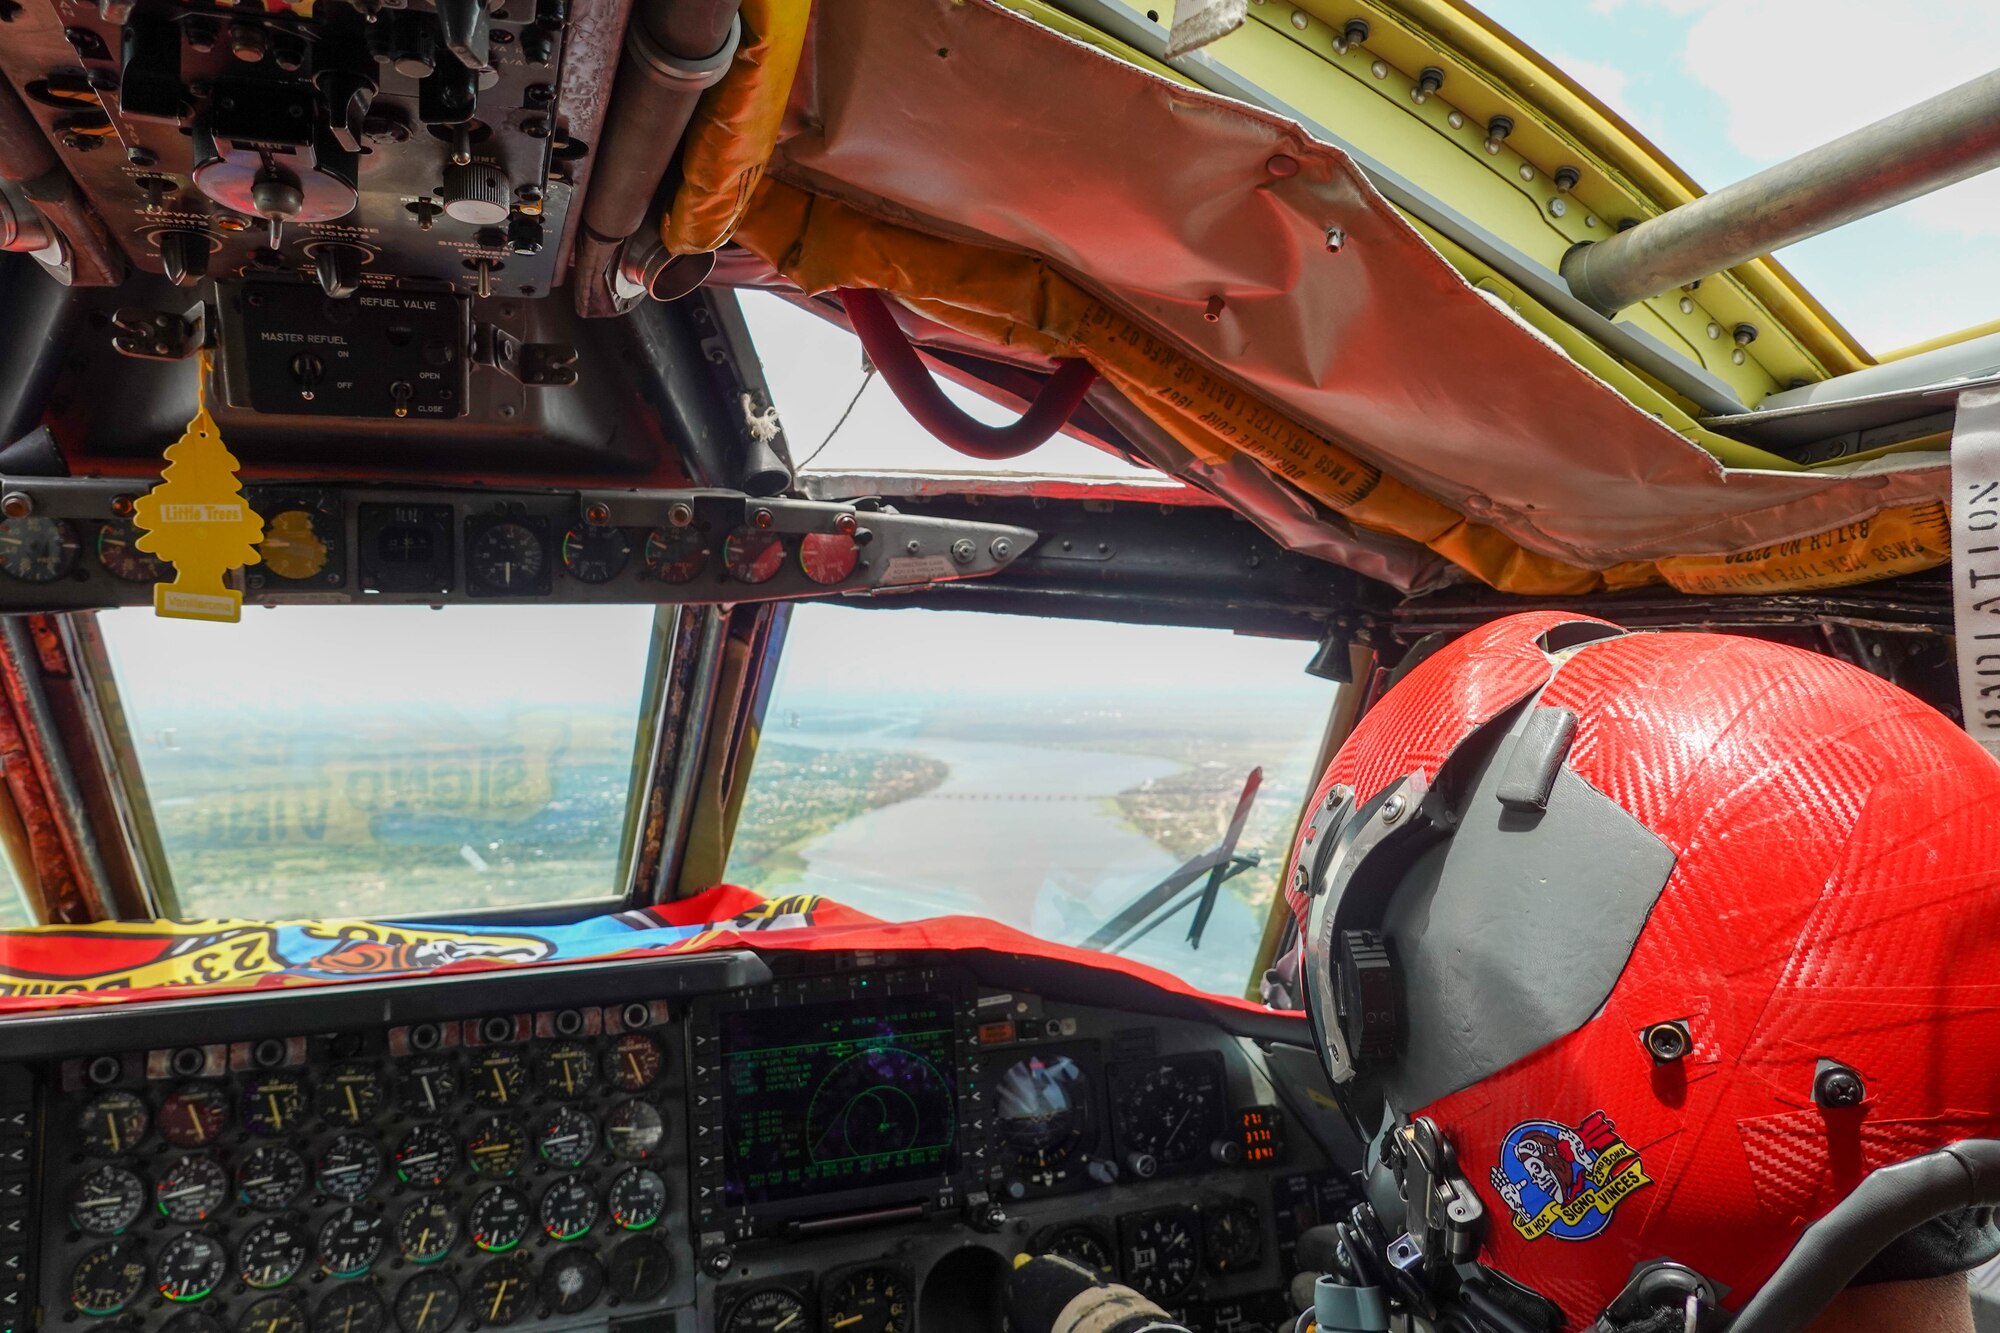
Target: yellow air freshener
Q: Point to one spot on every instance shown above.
(196, 519)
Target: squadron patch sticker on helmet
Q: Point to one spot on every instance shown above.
(1565, 1182)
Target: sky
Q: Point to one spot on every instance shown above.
(460, 657)
(1724, 87)
(852, 651)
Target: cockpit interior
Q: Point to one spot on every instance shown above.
(659, 659)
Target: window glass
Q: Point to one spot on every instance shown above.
(362, 761)
(1041, 773)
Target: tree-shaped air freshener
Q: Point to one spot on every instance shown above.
(197, 520)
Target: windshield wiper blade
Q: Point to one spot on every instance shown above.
(1231, 865)
(1220, 863)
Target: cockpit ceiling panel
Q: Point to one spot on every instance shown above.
(1206, 220)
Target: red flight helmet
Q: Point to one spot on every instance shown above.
(1669, 966)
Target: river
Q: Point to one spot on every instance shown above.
(1026, 835)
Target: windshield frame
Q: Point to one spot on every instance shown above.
(112, 749)
(702, 711)
(753, 691)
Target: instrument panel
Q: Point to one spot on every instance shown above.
(422, 1177)
(852, 1152)
(72, 545)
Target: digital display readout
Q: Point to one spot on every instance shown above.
(844, 1096)
(1258, 1127)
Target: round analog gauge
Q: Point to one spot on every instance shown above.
(107, 1278)
(193, 1114)
(191, 1189)
(595, 555)
(1082, 1246)
(1171, 1113)
(105, 1201)
(676, 555)
(352, 1307)
(567, 1070)
(753, 556)
(350, 1241)
(633, 1062)
(867, 1300)
(1162, 1253)
(429, 1085)
(503, 1291)
(118, 551)
(572, 1280)
(351, 1094)
(427, 1303)
(426, 1156)
(272, 1104)
(567, 1137)
(348, 1166)
(828, 557)
(497, 1146)
(634, 1130)
(193, 1321)
(499, 1077)
(1232, 1236)
(37, 550)
(507, 557)
(426, 1231)
(189, 1266)
(499, 1219)
(569, 1208)
(1045, 1119)
(270, 1176)
(113, 1124)
(772, 1310)
(273, 1314)
(640, 1269)
(293, 547)
(273, 1252)
(638, 1198)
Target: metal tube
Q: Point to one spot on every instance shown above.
(1912, 153)
(652, 102)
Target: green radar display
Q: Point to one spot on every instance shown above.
(835, 1097)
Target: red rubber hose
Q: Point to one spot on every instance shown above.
(921, 397)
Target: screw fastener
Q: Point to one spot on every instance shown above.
(1836, 1085)
(1668, 1042)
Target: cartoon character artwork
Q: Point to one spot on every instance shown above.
(1566, 1182)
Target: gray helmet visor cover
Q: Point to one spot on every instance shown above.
(1509, 893)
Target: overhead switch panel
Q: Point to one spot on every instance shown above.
(347, 143)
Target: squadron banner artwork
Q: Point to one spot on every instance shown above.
(47, 965)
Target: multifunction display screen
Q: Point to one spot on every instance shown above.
(851, 1095)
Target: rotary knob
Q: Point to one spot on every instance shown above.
(477, 193)
(184, 257)
(338, 268)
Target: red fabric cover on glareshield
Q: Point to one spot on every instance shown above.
(1836, 895)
